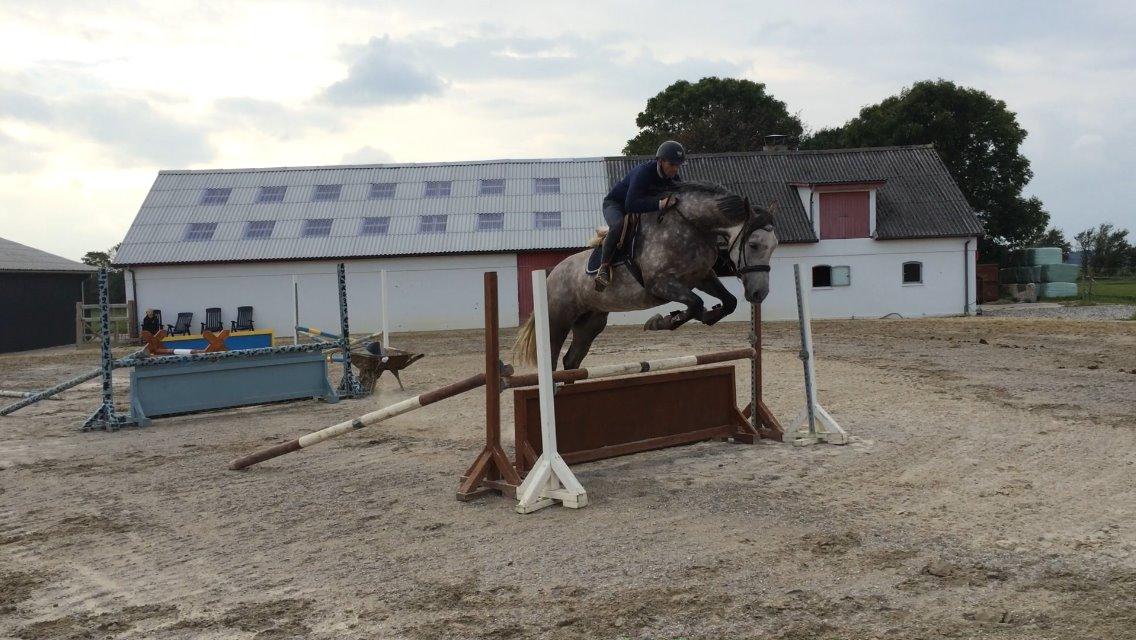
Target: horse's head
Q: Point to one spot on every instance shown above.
(753, 250)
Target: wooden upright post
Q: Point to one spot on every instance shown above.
(491, 471)
(762, 420)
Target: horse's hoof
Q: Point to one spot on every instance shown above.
(657, 323)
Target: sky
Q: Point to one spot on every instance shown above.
(96, 98)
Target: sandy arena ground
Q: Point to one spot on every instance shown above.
(990, 494)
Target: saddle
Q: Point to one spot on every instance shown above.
(626, 250)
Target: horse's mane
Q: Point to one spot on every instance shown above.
(696, 186)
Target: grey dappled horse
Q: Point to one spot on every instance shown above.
(677, 252)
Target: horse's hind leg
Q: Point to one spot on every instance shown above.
(584, 331)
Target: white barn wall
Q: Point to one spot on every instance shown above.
(426, 294)
(877, 287)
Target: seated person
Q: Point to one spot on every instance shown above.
(151, 322)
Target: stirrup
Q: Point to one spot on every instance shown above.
(603, 277)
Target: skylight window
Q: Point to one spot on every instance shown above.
(199, 231)
(493, 187)
(326, 192)
(438, 189)
(546, 220)
(271, 194)
(316, 228)
(375, 226)
(432, 224)
(259, 229)
(381, 191)
(215, 196)
(546, 185)
(490, 221)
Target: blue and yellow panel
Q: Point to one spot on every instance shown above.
(236, 340)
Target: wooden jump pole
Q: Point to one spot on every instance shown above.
(628, 368)
(365, 420)
(491, 471)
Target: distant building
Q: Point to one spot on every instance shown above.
(38, 292)
(877, 231)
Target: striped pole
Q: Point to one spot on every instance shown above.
(317, 333)
(365, 420)
(63, 386)
(609, 370)
(221, 355)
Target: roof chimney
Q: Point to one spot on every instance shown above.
(776, 142)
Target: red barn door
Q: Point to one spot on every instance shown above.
(526, 264)
(844, 214)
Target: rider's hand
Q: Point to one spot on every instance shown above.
(666, 202)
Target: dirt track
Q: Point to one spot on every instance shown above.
(989, 495)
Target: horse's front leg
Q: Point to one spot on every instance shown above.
(714, 287)
(674, 291)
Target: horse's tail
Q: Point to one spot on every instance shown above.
(524, 347)
(598, 239)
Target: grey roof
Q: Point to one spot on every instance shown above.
(157, 234)
(20, 257)
(918, 200)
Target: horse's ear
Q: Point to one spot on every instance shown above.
(772, 208)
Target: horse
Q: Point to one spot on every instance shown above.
(677, 252)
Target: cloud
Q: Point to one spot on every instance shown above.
(127, 128)
(273, 118)
(367, 155)
(17, 156)
(384, 72)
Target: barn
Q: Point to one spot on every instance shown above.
(38, 292)
(878, 231)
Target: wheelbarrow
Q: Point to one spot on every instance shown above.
(371, 366)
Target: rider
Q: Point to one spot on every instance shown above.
(634, 194)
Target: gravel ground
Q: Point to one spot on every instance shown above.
(988, 495)
(1054, 310)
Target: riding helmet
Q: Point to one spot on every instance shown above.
(672, 152)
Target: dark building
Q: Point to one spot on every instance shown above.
(38, 292)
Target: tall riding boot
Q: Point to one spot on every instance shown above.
(604, 273)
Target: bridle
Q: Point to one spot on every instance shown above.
(742, 266)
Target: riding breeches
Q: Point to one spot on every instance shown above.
(613, 214)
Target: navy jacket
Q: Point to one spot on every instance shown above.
(639, 190)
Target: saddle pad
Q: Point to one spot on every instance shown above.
(621, 256)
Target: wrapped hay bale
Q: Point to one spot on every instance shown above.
(1057, 290)
(1059, 273)
(1036, 256)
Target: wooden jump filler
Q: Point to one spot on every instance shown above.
(813, 424)
(550, 480)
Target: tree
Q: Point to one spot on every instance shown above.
(978, 139)
(116, 280)
(712, 115)
(1104, 250)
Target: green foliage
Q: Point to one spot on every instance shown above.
(1105, 250)
(976, 135)
(1122, 291)
(116, 279)
(712, 115)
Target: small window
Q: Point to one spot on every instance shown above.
(822, 276)
(546, 220)
(438, 189)
(326, 192)
(381, 191)
(271, 194)
(316, 228)
(200, 231)
(375, 226)
(912, 272)
(259, 229)
(546, 185)
(215, 196)
(490, 221)
(432, 224)
(494, 187)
